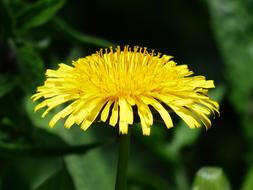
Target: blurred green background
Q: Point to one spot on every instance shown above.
(214, 37)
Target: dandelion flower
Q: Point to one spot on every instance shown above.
(110, 84)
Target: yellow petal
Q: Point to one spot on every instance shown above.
(92, 115)
(206, 121)
(202, 114)
(145, 121)
(126, 111)
(123, 127)
(84, 108)
(130, 100)
(53, 102)
(80, 116)
(106, 110)
(212, 105)
(145, 112)
(164, 114)
(125, 115)
(63, 113)
(201, 108)
(47, 111)
(187, 116)
(69, 121)
(36, 97)
(199, 81)
(40, 105)
(174, 100)
(114, 115)
(161, 110)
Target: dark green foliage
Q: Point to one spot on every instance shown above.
(7, 83)
(214, 37)
(59, 180)
(232, 21)
(30, 66)
(37, 14)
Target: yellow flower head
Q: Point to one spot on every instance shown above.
(113, 82)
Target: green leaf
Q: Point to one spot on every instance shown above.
(248, 181)
(45, 151)
(233, 27)
(30, 65)
(86, 170)
(28, 173)
(59, 180)
(38, 13)
(36, 171)
(73, 35)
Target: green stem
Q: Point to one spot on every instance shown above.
(124, 147)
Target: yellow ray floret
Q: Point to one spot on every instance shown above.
(115, 82)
